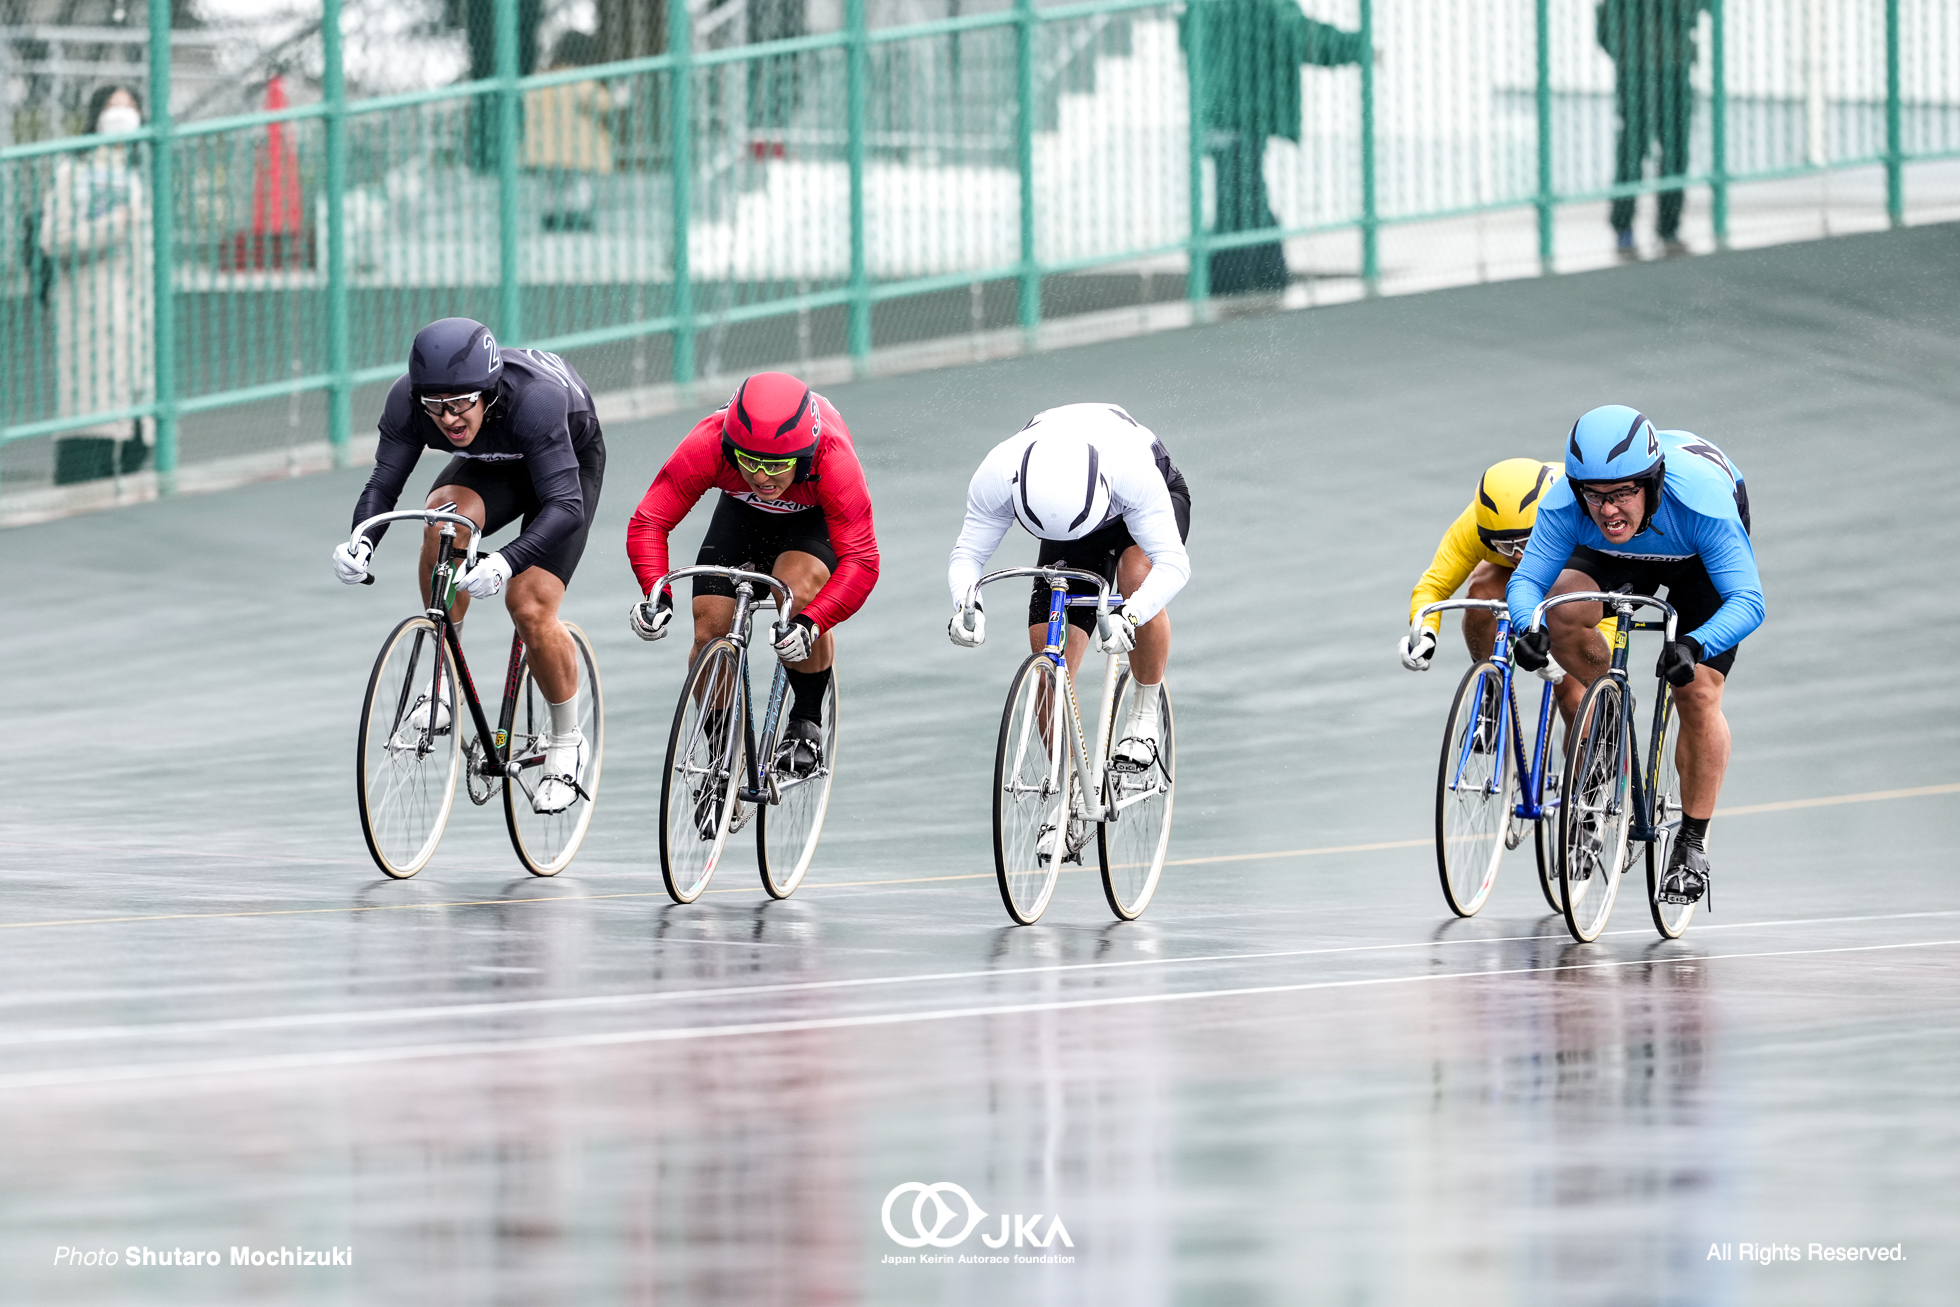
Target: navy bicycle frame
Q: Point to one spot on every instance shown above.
(1531, 805)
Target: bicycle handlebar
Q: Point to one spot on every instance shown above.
(1616, 600)
(429, 517)
(1050, 575)
(1497, 606)
(782, 593)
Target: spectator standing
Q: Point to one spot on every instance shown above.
(567, 136)
(1652, 45)
(95, 231)
(1253, 50)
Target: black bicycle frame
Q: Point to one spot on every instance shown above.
(442, 594)
(1642, 825)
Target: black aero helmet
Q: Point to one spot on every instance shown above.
(453, 355)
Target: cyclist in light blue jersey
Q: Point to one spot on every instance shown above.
(1650, 509)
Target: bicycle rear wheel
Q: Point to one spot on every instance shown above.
(1596, 810)
(704, 767)
(546, 842)
(1034, 790)
(786, 831)
(1474, 785)
(409, 753)
(1670, 919)
(1132, 844)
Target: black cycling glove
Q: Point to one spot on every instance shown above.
(1677, 661)
(1532, 650)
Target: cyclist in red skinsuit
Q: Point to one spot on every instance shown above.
(794, 504)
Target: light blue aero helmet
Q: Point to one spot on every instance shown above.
(1616, 443)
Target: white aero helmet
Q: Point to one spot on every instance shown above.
(1060, 492)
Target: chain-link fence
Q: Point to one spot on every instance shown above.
(668, 192)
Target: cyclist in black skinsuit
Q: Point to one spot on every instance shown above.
(525, 443)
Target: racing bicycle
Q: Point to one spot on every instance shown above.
(1610, 800)
(1044, 807)
(1484, 768)
(412, 748)
(721, 774)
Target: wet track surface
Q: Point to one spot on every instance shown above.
(1296, 1080)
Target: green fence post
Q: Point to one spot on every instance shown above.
(1895, 177)
(333, 88)
(509, 108)
(1371, 270)
(163, 333)
(680, 44)
(1718, 127)
(1198, 283)
(856, 74)
(1546, 251)
(1024, 30)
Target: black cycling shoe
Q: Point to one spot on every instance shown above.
(801, 751)
(707, 812)
(1686, 877)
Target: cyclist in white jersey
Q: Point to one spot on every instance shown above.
(1100, 492)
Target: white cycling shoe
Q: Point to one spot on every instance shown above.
(1136, 751)
(419, 719)
(564, 767)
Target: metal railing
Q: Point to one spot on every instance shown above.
(872, 184)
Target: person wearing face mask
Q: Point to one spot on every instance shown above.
(95, 231)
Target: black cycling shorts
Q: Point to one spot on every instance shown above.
(743, 536)
(507, 493)
(1693, 595)
(1097, 552)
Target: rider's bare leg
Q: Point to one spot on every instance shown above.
(1702, 753)
(1487, 581)
(532, 598)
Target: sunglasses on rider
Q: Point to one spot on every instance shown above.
(1511, 548)
(762, 467)
(1621, 498)
(451, 405)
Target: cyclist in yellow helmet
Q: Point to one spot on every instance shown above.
(1481, 547)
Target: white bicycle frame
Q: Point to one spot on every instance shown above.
(1088, 767)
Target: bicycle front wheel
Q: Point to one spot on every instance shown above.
(1034, 790)
(1132, 843)
(786, 831)
(1473, 791)
(410, 748)
(1670, 919)
(1544, 835)
(546, 842)
(1595, 809)
(704, 768)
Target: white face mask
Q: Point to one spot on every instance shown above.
(118, 118)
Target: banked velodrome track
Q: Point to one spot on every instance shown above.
(1296, 1080)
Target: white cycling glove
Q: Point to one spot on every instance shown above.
(649, 619)
(799, 641)
(968, 627)
(1122, 636)
(486, 579)
(1416, 656)
(350, 561)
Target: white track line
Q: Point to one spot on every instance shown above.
(560, 1043)
(1784, 806)
(376, 1016)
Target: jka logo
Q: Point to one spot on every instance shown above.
(936, 1224)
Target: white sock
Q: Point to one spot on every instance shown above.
(1143, 709)
(564, 718)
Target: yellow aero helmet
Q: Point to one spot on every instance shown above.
(1508, 496)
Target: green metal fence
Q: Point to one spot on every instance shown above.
(838, 191)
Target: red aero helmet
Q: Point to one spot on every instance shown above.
(772, 415)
